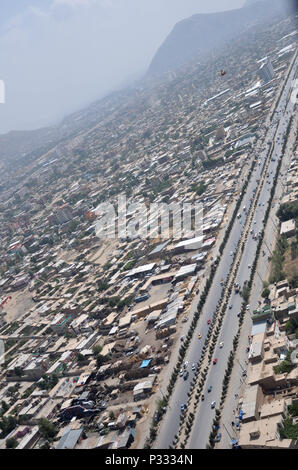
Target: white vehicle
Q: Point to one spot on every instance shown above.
(221, 344)
(213, 404)
(185, 364)
(88, 404)
(247, 307)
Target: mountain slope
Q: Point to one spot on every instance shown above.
(201, 33)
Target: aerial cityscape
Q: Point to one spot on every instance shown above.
(149, 255)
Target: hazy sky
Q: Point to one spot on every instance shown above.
(58, 55)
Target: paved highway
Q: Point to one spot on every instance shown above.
(204, 415)
(262, 274)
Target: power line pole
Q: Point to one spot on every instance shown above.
(273, 222)
(240, 365)
(268, 247)
(227, 431)
(165, 398)
(259, 276)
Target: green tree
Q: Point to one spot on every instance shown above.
(18, 371)
(293, 409)
(245, 292)
(80, 358)
(11, 443)
(4, 406)
(287, 211)
(289, 430)
(7, 424)
(100, 360)
(291, 326)
(265, 293)
(97, 350)
(46, 428)
(284, 367)
(293, 282)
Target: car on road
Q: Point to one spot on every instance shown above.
(185, 319)
(182, 407)
(221, 344)
(186, 364)
(157, 417)
(209, 388)
(213, 404)
(208, 321)
(203, 397)
(181, 338)
(247, 307)
(218, 437)
(181, 372)
(186, 374)
(193, 367)
(199, 336)
(215, 360)
(230, 306)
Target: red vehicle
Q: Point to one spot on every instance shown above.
(208, 321)
(22, 433)
(215, 360)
